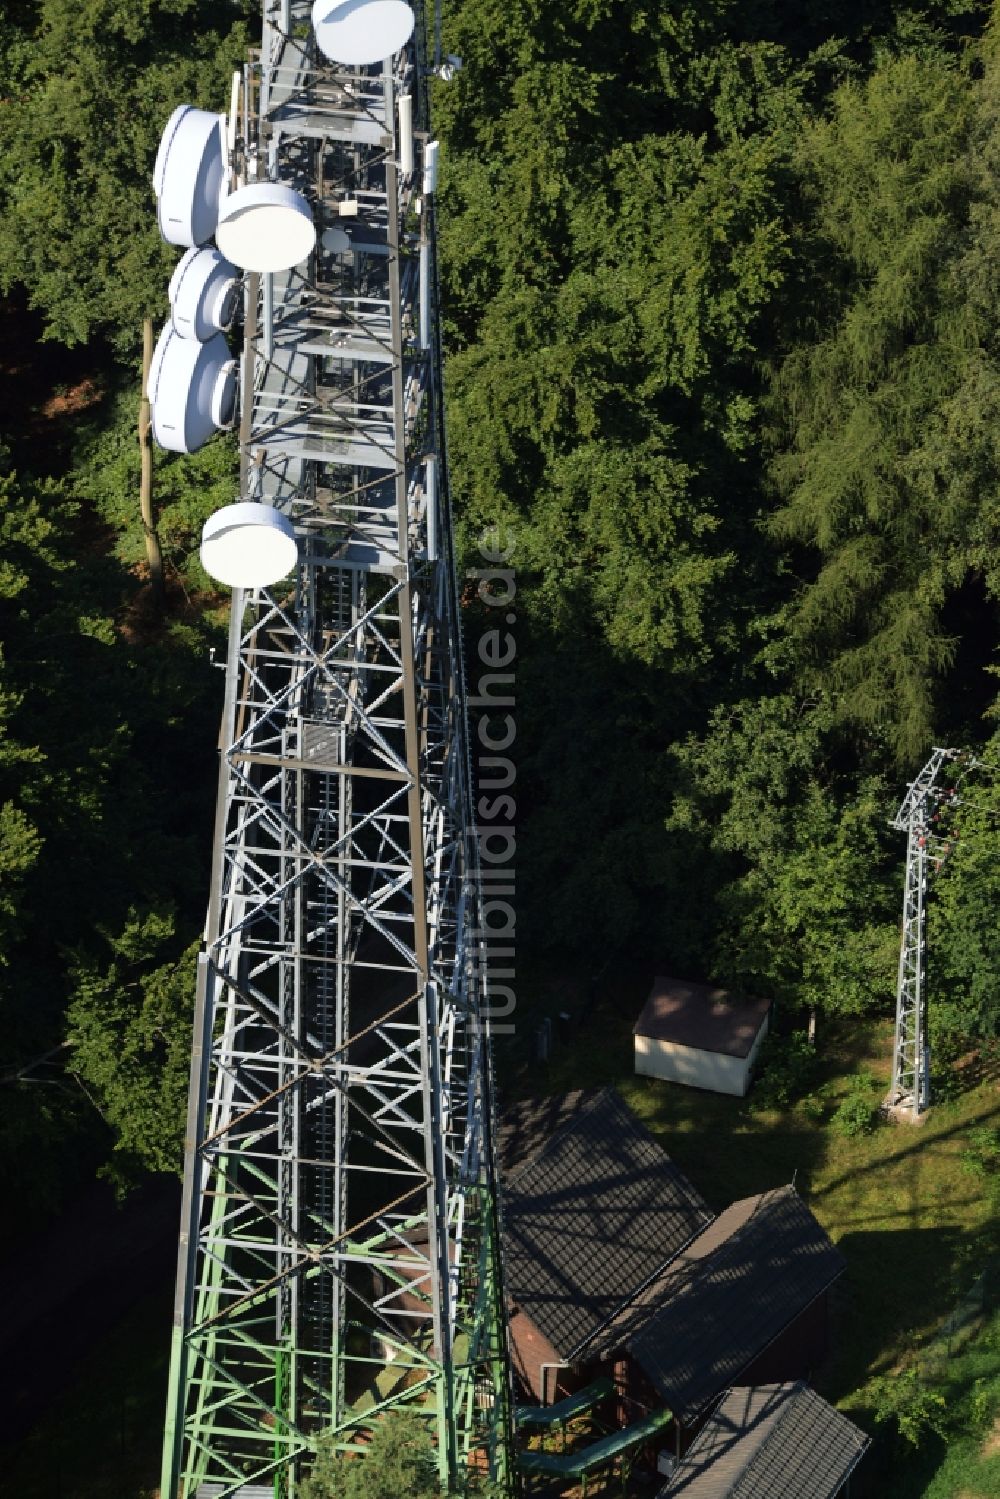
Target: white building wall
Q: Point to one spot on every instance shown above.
(755, 1048)
(698, 1069)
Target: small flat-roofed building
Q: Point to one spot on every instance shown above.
(590, 1214)
(694, 1034)
(778, 1440)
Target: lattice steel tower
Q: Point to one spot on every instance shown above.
(909, 1091)
(339, 1249)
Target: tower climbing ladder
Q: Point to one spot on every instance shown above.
(339, 1247)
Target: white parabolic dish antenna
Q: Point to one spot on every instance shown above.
(203, 294)
(191, 388)
(188, 175)
(265, 227)
(248, 545)
(361, 31)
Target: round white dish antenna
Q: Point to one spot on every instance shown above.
(189, 175)
(248, 545)
(191, 389)
(359, 32)
(265, 227)
(204, 292)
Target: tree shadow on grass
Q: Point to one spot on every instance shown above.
(982, 1066)
(899, 1283)
(961, 1457)
(892, 1467)
(726, 1149)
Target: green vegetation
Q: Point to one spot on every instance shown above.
(399, 1460)
(943, 1415)
(982, 1159)
(86, 86)
(857, 1113)
(965, 1462)
(108, 714)
(914, 1408)
(734, 402)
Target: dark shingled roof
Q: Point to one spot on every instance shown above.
(598, 1211)
(696, 1015)
(717, 1306)
(527, 1125)
(780, 1440)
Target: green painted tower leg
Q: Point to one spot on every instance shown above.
(340, 1242)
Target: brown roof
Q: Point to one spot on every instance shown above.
(528, 1124)
(702, 1017)
(633, 1315)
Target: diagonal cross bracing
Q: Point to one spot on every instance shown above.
(338, 1250)
(909, 1092)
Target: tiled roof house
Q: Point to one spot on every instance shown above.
(770, 1442)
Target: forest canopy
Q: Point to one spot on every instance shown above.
(720, 284)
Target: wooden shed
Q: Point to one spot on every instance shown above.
(745, 1300)
(694, 1034)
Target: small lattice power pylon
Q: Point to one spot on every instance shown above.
(927, 846)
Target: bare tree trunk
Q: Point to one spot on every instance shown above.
(812, 1025)
(153, 554)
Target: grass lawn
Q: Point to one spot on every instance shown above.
(914, 1227)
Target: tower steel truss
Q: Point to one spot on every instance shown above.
(339, 1250)
(925, 849)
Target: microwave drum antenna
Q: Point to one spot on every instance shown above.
(248, 545)
(204, 293)
(266, 226)
(188, 177)
(192, 390)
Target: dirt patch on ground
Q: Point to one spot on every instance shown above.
(145, 617)
(72, 398)
(991, 1446)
